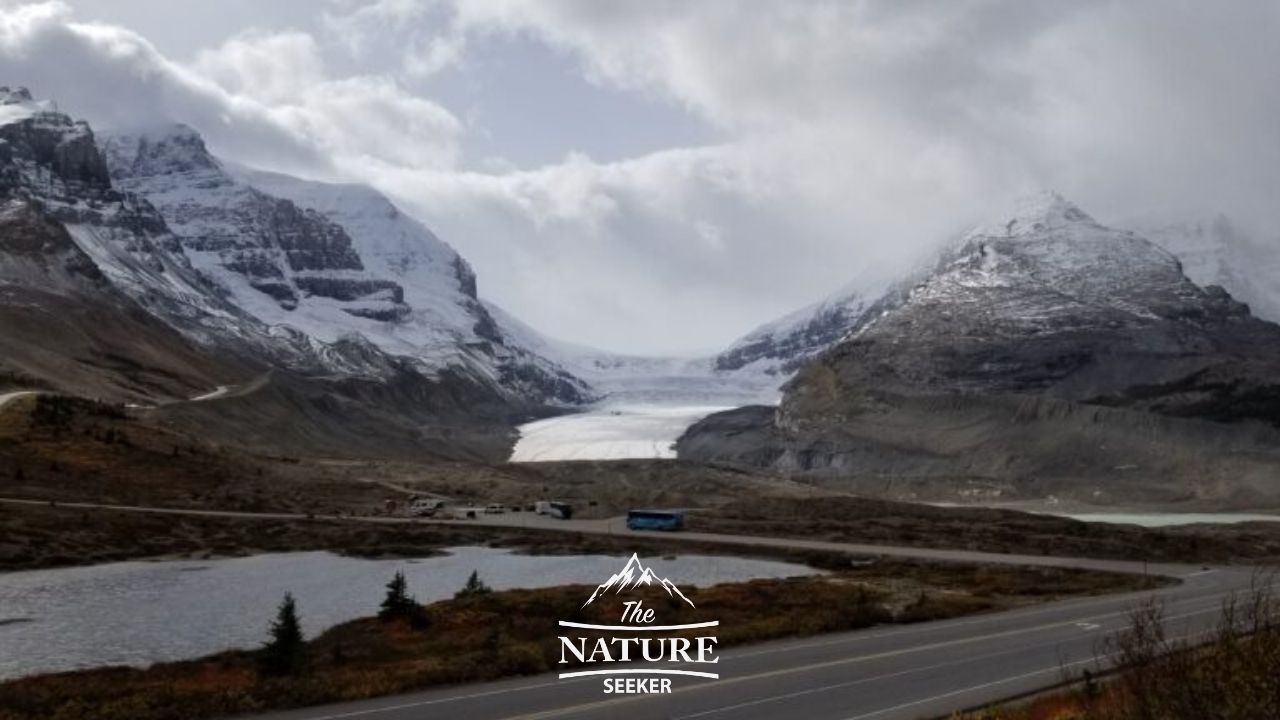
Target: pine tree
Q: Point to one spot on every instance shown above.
(399, 604)
(284, 652)
(474, 586)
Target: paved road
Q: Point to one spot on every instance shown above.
(6, 398)
(220, 392)
(617, 527)
(898, 673)
(901, 673)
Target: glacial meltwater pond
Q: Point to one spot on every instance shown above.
(138, 613)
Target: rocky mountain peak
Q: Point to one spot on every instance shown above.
(1050, 261)
(333, 261)
(1044, 350)
(1058, 303)
(163, 150)
(11, 96)
(45, 149)
(1040, 212)
(17, 103)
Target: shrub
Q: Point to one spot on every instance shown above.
(1236, 676)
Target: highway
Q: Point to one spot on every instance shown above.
(906, 672)
(892, 673)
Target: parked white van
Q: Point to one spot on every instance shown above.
(425, 507)
(559, 510)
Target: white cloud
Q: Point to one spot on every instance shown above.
(430, 42)
(855, 133)
(259, 95)
(354, 119)
(272, 67)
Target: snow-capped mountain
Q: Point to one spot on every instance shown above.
(53, 161)
(1214, 251)
(1043, 346)
(778, 348)
(54, 164)
(177, 276)
(332, 262)
(621, 379)
(633, 575)
(1049, 299)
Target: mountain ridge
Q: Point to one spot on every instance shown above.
(999, 367)
(1211, 249)
(329, 260)
(101, 254)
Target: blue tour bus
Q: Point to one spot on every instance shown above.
(655, 520)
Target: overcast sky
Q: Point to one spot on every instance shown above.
(662, 176)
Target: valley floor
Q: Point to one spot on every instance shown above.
(90, 483)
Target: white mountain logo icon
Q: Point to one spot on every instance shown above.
(632, 575)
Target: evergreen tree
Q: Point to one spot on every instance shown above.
(284, 652)
(474, 586)
(399, 604)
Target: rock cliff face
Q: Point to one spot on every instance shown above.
(64, 321)
(447, 322)
(237, 233)
(329, 261)
(1043, 350)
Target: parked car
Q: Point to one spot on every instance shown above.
(425, 507)
(562, 511)
(495, 508)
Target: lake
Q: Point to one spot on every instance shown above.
(138, 613)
